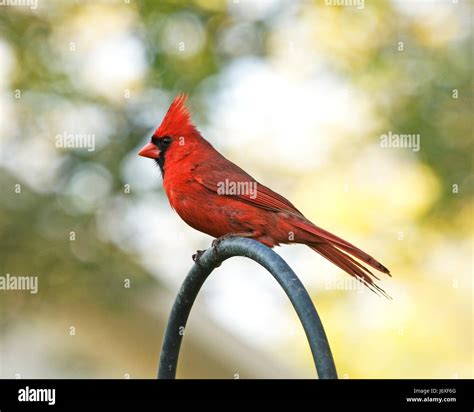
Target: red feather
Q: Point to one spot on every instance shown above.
(177, 121)
(194, 173)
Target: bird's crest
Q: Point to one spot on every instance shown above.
(177, 121)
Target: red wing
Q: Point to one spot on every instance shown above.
(212, 176)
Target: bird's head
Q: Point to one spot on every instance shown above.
(175, 135)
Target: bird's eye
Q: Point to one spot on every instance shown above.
(166, 140)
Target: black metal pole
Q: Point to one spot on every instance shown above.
(299, 297)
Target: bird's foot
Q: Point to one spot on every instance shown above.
(197, 256)
(216, 242)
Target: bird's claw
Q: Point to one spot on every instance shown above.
(197, 256)
(216, 242)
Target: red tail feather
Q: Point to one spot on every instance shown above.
(349, 265)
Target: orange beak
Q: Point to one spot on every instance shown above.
(150, 150)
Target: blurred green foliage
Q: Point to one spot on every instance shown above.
(412, 91)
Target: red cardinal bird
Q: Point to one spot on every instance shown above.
(203, 187)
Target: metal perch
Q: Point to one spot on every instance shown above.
(299, 297)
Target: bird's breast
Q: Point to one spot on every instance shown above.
(208, 212)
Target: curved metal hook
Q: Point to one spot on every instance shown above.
(299, 297)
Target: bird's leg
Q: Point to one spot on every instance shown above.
(217, 241)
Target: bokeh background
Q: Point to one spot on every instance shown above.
(299, 94)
